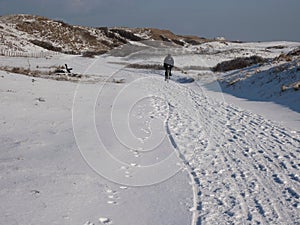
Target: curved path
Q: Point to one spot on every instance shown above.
(245, 167)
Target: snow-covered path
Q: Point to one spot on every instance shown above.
(247, 168)
(196, 160)
(45, 180)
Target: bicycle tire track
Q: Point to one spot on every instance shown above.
(246, 167)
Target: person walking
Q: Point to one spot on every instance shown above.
(168, 65)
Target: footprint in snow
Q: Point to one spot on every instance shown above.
(88, 223)
(109, 191)
(112, 202)
(111, 194)
(104, 220)
(134, 165)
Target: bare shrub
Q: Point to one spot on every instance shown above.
(146, 66)
(192, 41)
(15, 70)
(89, 54)
(92, 54)
(19, 70)
(276, 47)
(238, 63)
(283, 57)
(195, 68)
(46, 45)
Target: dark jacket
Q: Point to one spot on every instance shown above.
(169, 60)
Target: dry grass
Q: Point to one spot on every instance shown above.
(296, 86)
(166, 35)
(60, 36)
(295, 53)
(283, 57)
(21, 70)
(54, 74)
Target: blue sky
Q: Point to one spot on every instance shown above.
(257, 20)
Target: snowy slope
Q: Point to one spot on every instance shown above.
(274, 82)
(124, 147)
(44, 178)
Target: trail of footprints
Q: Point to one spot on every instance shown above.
(112, 196)
(112, 199)
(266, 169)
(247, 168)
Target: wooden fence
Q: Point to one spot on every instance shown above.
(10, 53)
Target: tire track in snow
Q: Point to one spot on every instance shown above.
(191, 168)
(268, 166)
(218, 141)
(258, 198)
(215, 139)
(194, 180)
(269, 187)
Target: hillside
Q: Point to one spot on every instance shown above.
(25, 33)
(277, 80)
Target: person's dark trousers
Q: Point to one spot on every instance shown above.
(167, 67)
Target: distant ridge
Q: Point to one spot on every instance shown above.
(27, 33)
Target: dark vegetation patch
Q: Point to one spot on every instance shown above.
(276, 47)
(92, 54)
(46, 45)
(55, 74)
(294, 52)
(283, 57)
(127, 34)
(145, 66)
(178, 42)
(238, 63)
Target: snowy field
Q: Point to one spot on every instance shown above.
(123, 147)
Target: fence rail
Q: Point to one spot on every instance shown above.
(9, 53)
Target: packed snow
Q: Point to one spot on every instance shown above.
(121, 146)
